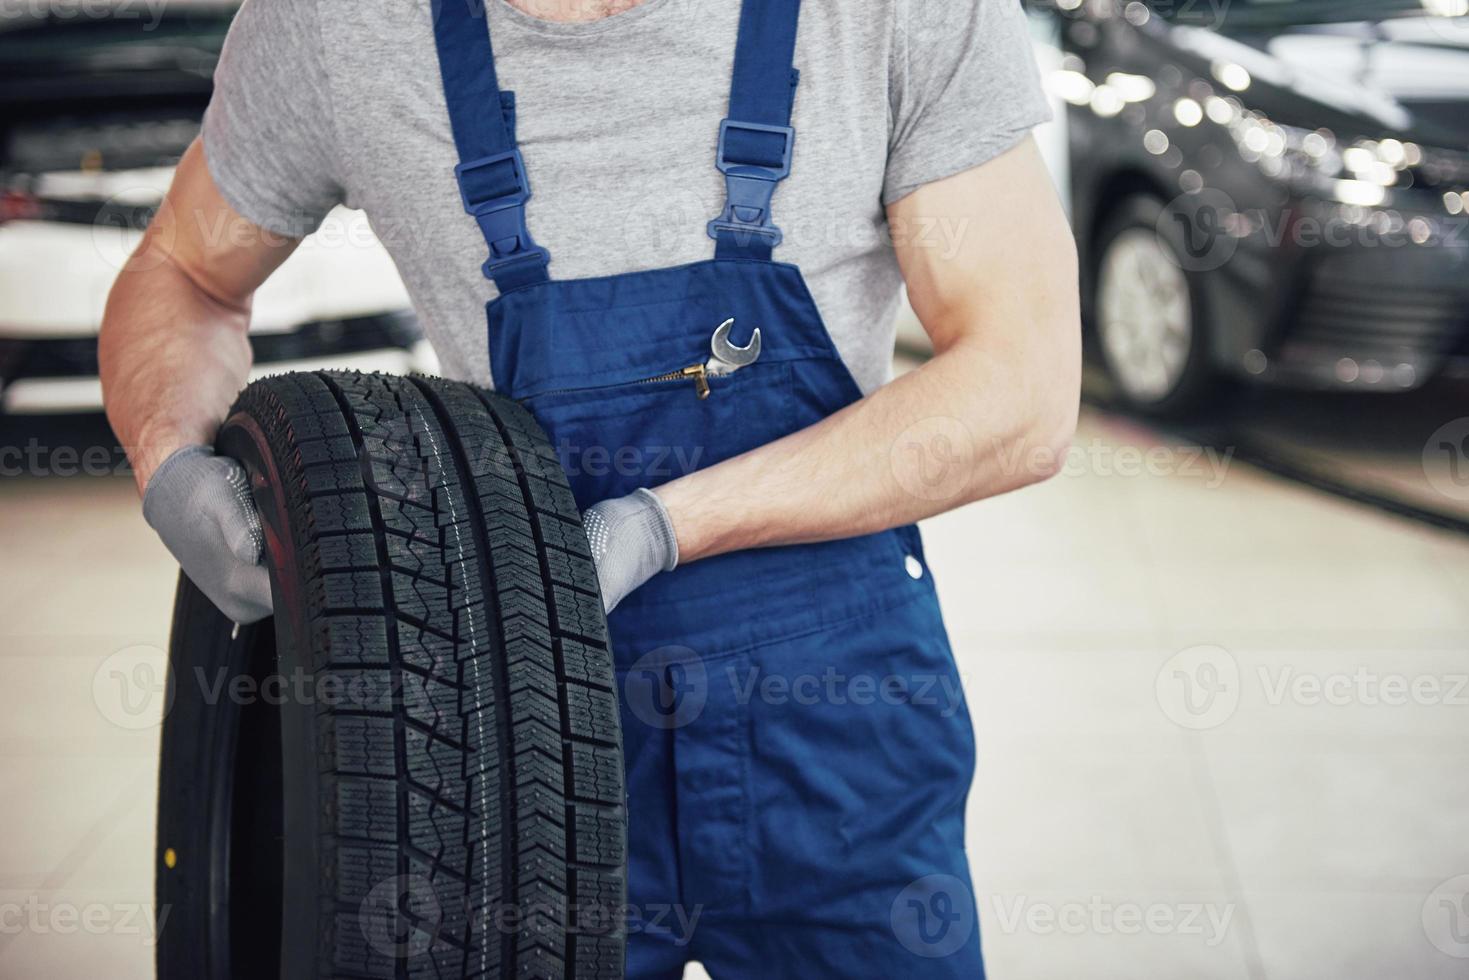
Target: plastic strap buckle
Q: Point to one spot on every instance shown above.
(750, 186)
(501, 217)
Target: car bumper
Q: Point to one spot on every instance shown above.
(324, 307)
(1371, 321)
(1369, 314)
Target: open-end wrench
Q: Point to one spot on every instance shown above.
(727, 357)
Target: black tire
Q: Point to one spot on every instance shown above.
(1196, 381)
(431, 783)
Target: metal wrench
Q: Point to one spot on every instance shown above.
(727, 357)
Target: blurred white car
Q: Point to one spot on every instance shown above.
(94, 111)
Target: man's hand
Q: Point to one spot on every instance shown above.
(200, 505)
(632, 540)
(173, 354)
(994, 410)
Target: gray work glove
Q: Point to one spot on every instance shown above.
(632, 540)
(200, 505)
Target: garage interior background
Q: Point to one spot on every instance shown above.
(1218, 669)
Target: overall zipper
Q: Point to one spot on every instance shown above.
(727, 360)
(698, 373)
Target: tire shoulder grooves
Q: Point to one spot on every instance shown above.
(280, 415)
(389, 612)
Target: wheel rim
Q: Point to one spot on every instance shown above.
(1145, 315)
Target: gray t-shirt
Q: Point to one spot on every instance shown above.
(326, 102)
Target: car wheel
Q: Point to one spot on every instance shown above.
(1151, 323)
(415, 767)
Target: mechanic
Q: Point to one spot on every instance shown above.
(775, 538)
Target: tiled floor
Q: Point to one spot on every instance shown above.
(82, 579)
(1221, 727)
(1306, 807)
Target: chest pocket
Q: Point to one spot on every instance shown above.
(613, 439)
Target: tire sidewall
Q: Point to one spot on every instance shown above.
(302, 932)
(199, 741)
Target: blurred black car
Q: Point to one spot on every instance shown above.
(98, 101)
(1270, 190)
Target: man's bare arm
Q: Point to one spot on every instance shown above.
(997, 402)
(173, 349)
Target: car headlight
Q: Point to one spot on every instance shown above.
(1360, 171)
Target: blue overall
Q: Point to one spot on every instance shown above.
(797, 750)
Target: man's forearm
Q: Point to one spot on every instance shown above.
(968, 424)
(172, 360)
(994, 410)
(174, 349)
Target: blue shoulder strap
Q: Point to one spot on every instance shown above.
(491, 173)
(756, 139)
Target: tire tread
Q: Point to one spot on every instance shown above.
(445, 574)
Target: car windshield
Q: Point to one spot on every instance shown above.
(1292, 13)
